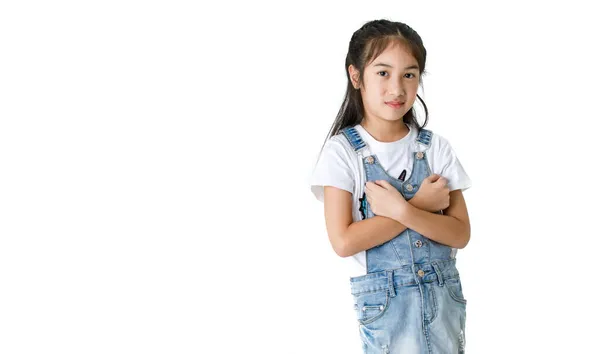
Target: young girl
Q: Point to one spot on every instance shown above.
(392, 192)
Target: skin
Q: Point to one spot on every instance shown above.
(392, 76)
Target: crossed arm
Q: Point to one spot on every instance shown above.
(348, 237)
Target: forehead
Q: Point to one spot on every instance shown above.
(396, 55)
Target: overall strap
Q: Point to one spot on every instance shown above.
(424, 137)
(354, 138)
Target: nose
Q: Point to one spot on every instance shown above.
(396, 88)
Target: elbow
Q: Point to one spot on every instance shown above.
(464, 242)
(340, 252)
(341, 247)
(464, 238)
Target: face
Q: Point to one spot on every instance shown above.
(391, 77)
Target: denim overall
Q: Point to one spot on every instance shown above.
(411, 300)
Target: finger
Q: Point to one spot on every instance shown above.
(374, 185)
(385, 184)
(381, 184)
(432, 178)
(442, 180)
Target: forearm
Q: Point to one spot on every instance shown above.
(443, 229)
(371, 232)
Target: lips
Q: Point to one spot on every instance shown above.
(395, 104)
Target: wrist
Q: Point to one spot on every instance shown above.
(403, 211)
(417, 203)
(414, 201)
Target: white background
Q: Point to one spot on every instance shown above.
(155, 158)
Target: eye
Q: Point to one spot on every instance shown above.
(382, 72)
(411, 74)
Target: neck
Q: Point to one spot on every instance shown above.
(385, 131)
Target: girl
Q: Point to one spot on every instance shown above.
(394, 208)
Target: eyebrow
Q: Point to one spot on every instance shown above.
(389, 66)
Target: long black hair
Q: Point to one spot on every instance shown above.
(365, 45)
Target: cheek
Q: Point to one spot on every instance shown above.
(413, 90)
(370, 99)
(376, 95)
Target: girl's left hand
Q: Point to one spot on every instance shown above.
(384, 199)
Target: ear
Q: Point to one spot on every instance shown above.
(354, 74)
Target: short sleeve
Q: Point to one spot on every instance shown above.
(333, 168)
(452, 169)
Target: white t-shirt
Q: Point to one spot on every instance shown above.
(340, 166)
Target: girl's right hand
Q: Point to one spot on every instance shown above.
(433, 194)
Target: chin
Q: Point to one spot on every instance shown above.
(394, 119)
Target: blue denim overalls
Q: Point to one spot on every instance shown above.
(411, 300)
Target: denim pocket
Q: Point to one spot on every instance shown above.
(454, 288)
(371, 306)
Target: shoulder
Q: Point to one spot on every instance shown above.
(335, 167)
(438, 142)
(338, 145)
(440, 151)
(337, 156)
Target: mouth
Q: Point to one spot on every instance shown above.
(395, 104)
